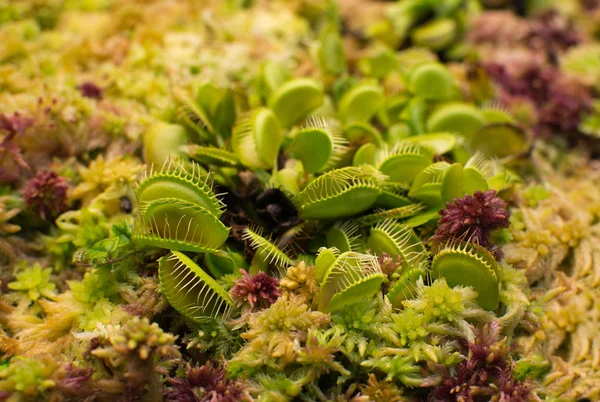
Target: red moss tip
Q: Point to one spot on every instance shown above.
(15, 124)
(559, 102)
(91, 90)
(552, 30)
(205, 383)
(473, 218)
(259, 290)
(46, 194)
(488, 371)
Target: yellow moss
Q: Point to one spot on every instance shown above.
(301, 280)
(274, 332)
(105, 181)
(558, 243)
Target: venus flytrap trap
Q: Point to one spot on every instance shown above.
(211, 156)
(340, 193)
(435, 35)
(344, 236)
(209, 112)
(405, 286)
(329, 51)
(360, 103)
(435, 25)
(256, 138)
(347, 279)
(175, 224)
(393, 195)
(427, 186)
(438, 143)
(193, 114)
(393, 238)
(318, 145)
(403, 162)
(190, 290)
(500, 140)
(295, 100)
(462, 118)
(470, 265)
(432, 82)
(267, 253)
(188, 219)
(163, 141)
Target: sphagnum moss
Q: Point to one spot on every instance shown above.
(298, 201)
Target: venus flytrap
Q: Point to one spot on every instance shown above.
(379, 61)
(434, 25)
(494, 112)
(267, 252)
(462, 118)
(393, 195)
(365, 155)
(360, 103)
(295, 100)
(187, 219)
(256, 138)
(436, 35)
(193, 114)
(340, 193)
(359, 131)
(174, 177)
(414, 115)
(467, 264)
(405, 286)
(395, 239)
(500, 140)
(211, 156)
(317, 144)
(427, 186)
(175, 224)
(436, 141)
(163, 141)
(271, 76)
(403, 162)
(432, 82)
(190, 290)
(209, 112)
(224, 262)
(349, 278)
(329, 51)
(344, 236)
(477, 171)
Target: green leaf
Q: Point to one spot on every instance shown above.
(432, 81)
(453, 183)
(294, 100)
(500, 140)
(360, 103)
(456, 117)
(435, 35)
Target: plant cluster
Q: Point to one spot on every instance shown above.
(377, 207)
